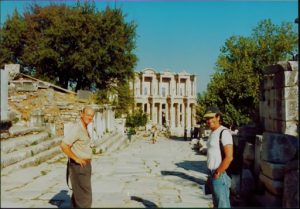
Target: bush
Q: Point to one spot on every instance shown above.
(136, 119)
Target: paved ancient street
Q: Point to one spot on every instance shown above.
(166, 174)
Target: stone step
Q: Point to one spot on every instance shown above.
(107, 143)
(33, 161)
(23, 153)
(104, 139)
(119, 144)
(15, 143)
(21, 130)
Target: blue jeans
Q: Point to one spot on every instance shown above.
(220, 193)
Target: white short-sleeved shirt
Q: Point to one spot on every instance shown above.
(214, 157)
(80, 140)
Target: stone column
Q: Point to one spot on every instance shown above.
(172, 119)
(188, 116)
(178, 87)
(178, 115)
(184, 115)
(167, 116)
(195, 86)
(148, 108)
(158, 84)
(188, 87)
(152, 111)
(4, 94)
(151, 87)
(142, 84)
(193, 119)
(102, 123)
(159, 114)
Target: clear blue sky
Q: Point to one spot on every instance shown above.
(186, 35)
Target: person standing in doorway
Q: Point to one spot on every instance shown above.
(77, 145)
(217, 165)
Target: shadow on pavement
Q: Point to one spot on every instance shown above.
(60, 199)
(176, 138)
(199, 166)
(184, 176)
(147, 203)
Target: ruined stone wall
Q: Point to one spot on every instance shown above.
(276, 151)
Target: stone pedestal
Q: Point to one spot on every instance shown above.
(37, 118)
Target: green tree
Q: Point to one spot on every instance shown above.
(12, 39)
(71, 44)
(125, 100)
(136, 119)
(235, 86)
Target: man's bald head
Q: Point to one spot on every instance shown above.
(87, 115)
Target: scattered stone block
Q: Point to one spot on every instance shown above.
(273, 186)
(12, 69)
(195, 144)
(272, 170)
(257, 154)
(278, 148)
(248, 153)
(37, 118)
(84, 95)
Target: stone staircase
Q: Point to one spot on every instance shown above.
(23, 147)
(110, 143)
(27, 146)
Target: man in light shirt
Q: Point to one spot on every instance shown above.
(77, 145)
(216, 163)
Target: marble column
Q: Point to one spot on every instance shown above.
(178, 115)
(4, 94)
(153, 112)
(172, 119)
(188, 116)
(160, 114)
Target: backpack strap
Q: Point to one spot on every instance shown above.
(221, 145)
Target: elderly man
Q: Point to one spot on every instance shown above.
(219, 157)
(77, 145)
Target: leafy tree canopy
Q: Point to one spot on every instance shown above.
(79, 44)
(235, 86)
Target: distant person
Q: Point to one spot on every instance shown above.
(196, 132)
(185, 134)
(216, 163)
(77, 146)
(153, 134)
(191, 133)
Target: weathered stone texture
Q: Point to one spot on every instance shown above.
(248, 152)
(257, 154)
(4, 94)
(269, 200)
(278, 148)
(272, 170)
(248, 183)
(291, 185)
(273, 186)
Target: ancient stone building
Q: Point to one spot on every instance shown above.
(168, 98)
